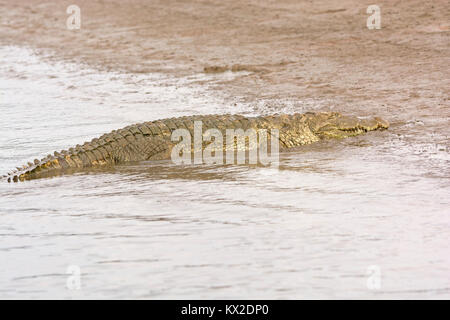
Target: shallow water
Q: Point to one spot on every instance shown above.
(365, 217)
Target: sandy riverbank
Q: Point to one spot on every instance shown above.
(297, 50)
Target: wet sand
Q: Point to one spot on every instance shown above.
(295, 50)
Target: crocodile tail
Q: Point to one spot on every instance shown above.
(107, 149)
(88, 155)
(50, 165)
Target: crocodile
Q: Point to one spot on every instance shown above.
(152, 140)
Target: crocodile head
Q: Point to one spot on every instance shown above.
(335, 125)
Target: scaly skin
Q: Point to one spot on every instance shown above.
(152, 140)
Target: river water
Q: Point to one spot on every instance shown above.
(365, 217)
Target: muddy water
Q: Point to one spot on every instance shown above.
(366, 217)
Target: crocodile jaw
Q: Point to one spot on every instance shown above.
(347, 126)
